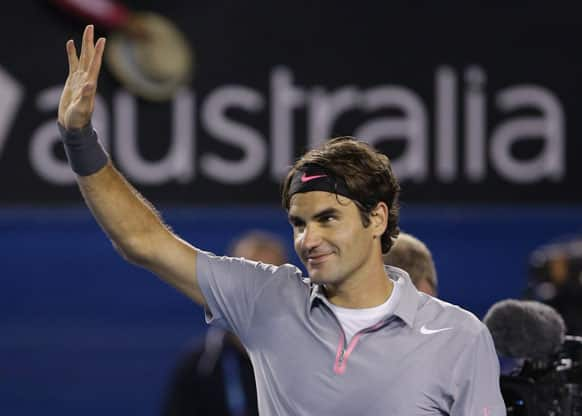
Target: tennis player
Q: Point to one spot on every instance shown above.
(353, 337)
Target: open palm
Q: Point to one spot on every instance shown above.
(78, 97)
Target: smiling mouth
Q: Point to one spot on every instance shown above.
(319, 259)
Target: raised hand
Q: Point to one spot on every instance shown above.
(78, 97)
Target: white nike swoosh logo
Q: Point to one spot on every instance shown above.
(426, 331)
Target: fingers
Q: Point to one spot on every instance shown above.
(87, 48)
(91, 55)
(72, 55)
(95, 64)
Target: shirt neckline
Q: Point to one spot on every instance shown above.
(406, 304)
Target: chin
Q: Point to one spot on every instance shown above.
(316, 277)
(321, 278)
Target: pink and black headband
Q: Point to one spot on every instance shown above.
(312, 177)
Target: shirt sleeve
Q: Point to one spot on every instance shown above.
(476, 389)
(231, 287)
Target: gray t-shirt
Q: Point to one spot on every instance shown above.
(428, 358)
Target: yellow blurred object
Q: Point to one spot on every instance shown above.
(152, 64)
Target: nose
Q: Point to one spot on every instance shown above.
(310, 238)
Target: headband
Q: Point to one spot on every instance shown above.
(312, 177)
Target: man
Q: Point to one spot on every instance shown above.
(412, 255)
(356, 338)
(218, 379)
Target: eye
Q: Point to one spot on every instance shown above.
(328, 218)
(297, 224)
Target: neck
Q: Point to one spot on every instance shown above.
(365, 292)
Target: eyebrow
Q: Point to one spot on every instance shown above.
(294, 219)
(321, 214)
(326, 212)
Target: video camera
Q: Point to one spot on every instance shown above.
(548, 378)
(547, 387)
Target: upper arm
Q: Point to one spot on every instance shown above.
(174, 261)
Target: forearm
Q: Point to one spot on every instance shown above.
(137, 231)
(128, 219)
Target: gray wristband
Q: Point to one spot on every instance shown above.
(84, 151)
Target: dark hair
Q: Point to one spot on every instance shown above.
(367, 174)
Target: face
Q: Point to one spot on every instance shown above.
(330, 238)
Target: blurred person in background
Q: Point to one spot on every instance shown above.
(318, 344)
(412, 255)
(217, 378)
(555, 278)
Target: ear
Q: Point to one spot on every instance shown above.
(379, 219)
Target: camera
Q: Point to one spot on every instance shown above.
(547, 387)
(548, 378)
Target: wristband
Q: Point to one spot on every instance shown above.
(84, 151)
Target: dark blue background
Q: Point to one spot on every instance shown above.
(83, 332)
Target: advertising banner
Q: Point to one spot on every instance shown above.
(471, 104)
